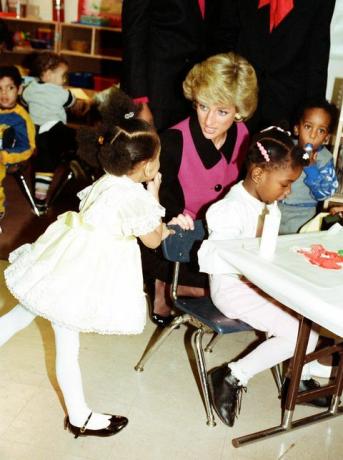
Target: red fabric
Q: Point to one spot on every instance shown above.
(141, 100)
(278, 10)
(202, 7)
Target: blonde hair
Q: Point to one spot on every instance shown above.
(224, 79)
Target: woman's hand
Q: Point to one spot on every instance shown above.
(184, 221)
(153, 186)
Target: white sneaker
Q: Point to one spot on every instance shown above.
(319, 370)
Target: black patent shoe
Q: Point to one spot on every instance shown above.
(305, 385)
(116, 424)
(226, 393)
(161, 321)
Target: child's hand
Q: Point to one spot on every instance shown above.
(80, 108)
(184, 221)
(337, 210)
(313, 158)
(153, 186)
(166, 231)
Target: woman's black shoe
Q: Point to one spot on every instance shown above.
(117, 423)
(161, 321)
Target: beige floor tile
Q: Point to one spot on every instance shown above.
(166, 414)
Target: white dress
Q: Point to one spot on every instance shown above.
(85, 271)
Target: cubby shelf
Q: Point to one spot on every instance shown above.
(87, 48)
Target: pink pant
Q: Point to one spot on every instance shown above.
(238, 299)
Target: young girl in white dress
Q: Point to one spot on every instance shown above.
(84, 273)
(273, 164)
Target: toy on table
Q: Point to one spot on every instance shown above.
(318, 255)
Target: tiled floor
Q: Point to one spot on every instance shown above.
(163, 404)
(165, 411)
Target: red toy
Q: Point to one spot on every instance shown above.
(318, 255)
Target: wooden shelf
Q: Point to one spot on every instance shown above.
(28, 20)
(74, 25)
(67, 52)
(87, 48)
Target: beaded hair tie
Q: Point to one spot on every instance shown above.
(263, 151)
(277, 128)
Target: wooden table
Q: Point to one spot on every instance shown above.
(316, 294)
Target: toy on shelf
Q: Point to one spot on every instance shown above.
(100, 12)
(21, 39)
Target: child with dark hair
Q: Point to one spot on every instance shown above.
(17, 132)
(318, 181)
(273, 164)
(47, 101)
(84, 273)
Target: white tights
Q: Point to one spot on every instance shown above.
(237, 299)
(67, 365)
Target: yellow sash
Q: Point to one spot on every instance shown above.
(73, 219)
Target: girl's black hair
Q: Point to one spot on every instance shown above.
(119, 140)
(320, 103)
(274, 148)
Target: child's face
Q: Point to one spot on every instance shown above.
(275, 184)
(8, 93)
(56, 76)
(153, 166)
(313, 128)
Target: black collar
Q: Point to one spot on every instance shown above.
(206, 150)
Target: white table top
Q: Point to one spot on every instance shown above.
(312, 291)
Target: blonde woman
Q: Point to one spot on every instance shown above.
(201, 158)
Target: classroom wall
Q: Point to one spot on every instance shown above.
(336, 52)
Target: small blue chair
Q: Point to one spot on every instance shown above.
(200, 312)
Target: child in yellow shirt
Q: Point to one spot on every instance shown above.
(17, 131)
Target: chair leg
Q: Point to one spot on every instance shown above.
(200, 359)
(213, 341)
(60, 187)
(23, 184)
(277, 374)
(162, 337)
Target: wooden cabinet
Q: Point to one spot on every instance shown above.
(87, 48)
(29, 36)
(92, 49)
